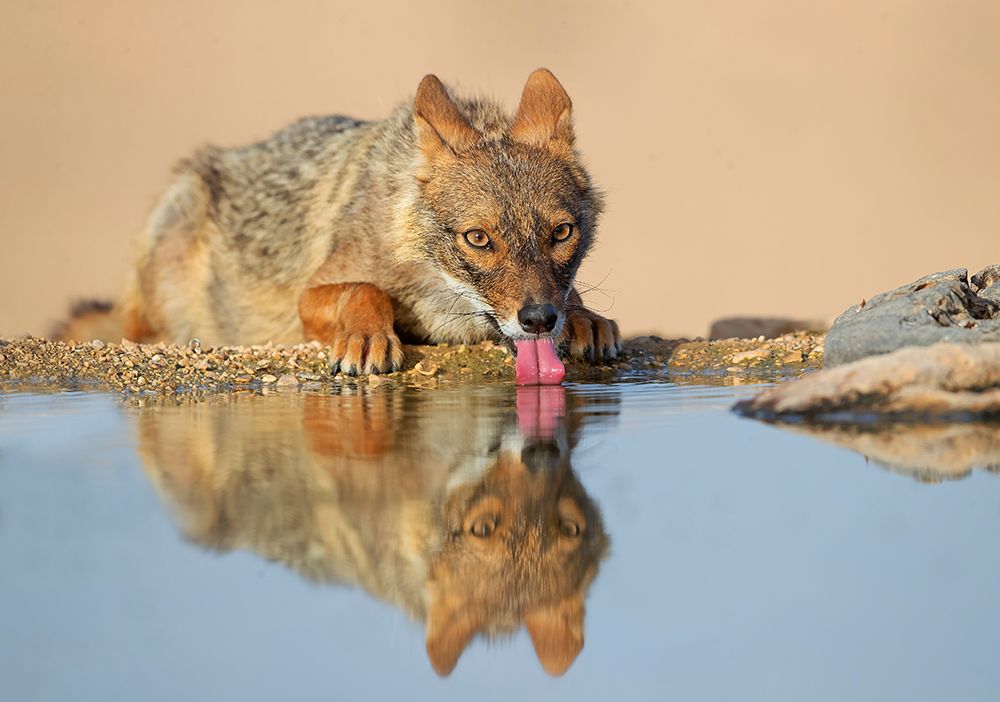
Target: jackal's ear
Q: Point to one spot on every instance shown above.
(557, 633)
(544, 115)
(441, 126)
(450, 627)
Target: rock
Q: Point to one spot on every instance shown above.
(943, 381)
(97, 344)
(426, 368)
(267, 378)
(987, 283)
(761, 327)
(937, 308)
(746, 356)
(986, 278)
(793, 357)
(288, 381)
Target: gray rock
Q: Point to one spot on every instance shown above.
(937, 308)
(986, 278)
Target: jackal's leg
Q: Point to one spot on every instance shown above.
(355, 321)
(588, 334)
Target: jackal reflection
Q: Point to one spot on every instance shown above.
(459, 507)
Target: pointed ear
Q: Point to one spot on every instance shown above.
(450, 628)
(557, 633)
(544, 113)
(441, 126)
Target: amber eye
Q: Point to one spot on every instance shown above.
(483, 527)
(477, 238)
(563, 232)
(569, 528)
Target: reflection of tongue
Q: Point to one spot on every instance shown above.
(537, 363)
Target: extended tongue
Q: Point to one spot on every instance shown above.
(537, 363)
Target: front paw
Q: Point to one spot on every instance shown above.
(591, 336)
(365, 354)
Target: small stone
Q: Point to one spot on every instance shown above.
(97, 344)
(287, 381)
(745, 356)
(793, 357)
(268, 378)
(426, 368)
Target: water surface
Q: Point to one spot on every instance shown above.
(468, 543)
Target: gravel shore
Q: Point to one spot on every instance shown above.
(158, 369)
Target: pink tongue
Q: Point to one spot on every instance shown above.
(537, 363)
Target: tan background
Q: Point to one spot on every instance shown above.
(773, 157)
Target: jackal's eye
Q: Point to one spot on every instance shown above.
(563, 232)
(569, 528)
(477, 238)
(483, 527)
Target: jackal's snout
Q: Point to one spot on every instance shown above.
(538, 319)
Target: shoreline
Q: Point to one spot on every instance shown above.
(166, 369)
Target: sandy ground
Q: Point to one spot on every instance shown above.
(171, 370)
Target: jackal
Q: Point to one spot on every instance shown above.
(449, 221)
(442, 504)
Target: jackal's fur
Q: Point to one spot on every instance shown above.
(383, 491)
(270, 242)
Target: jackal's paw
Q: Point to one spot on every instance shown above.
(363, 354)
(591, 336)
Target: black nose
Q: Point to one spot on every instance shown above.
(538, 319)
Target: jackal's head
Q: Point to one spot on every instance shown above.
(521, 547)
(506, 210)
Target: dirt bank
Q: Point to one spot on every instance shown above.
(167, 369)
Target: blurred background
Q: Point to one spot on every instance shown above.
(759, 158)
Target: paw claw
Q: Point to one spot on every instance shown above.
(364, 353)
(592, 337)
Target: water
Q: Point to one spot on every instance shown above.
(343, 546)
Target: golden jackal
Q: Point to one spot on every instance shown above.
(447, 221)
(468, 518)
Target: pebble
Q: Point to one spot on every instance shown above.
(751, 355)
(288, 380)
(426, 368)
(268, 378)
(793, 357)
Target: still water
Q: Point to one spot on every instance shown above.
(476, 542)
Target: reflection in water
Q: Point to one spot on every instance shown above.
(459, 506)
(925, 452)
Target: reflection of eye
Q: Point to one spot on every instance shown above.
(569, 528)
(477, 238)
(562, 232)
(483, 527)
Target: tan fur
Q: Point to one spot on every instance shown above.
(246, 240)
(372, 491)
